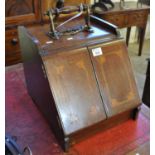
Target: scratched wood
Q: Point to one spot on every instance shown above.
(115, 77)
(75, 89)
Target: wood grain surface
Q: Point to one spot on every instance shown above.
(115, 77)
(75, 90)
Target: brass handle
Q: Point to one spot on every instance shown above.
(14, 41)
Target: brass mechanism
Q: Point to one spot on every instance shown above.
(54, 13)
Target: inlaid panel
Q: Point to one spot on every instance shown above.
(75, 90)
(18, 7)
(115, 77)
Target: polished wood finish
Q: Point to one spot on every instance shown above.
(113, 70)
(67, 83)
(72, 78)
(131, 15)
(51, 46)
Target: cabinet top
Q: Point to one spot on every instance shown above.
(102, 32)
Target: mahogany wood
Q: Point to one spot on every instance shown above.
(71, 70)
(35, 79)
(67, 83)
(113, 70)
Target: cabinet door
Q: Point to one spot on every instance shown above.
(115, 77)
(75, 90)
(22, 11)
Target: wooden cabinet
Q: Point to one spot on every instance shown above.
(71, 69)
(83, 85)
(18, 12)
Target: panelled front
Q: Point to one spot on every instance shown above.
(73, 84)
(115, 77)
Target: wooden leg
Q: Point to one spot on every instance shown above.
(138, 37)
(141, 40)
(66, 144)
(135, 113)
(128, 35)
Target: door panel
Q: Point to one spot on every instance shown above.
(115, 77)
(75, 90)
(18, 12)
(18, 7)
